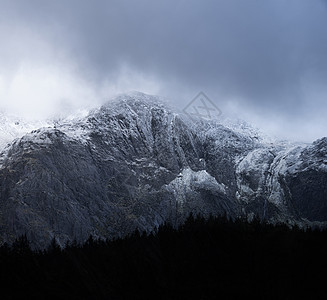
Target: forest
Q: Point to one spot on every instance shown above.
(213, 258)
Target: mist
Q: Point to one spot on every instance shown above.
(264, 61)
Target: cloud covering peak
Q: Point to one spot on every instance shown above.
(263, 60)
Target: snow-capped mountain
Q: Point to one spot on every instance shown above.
(12, 127)
(136, 162)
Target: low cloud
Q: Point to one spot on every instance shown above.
(262, 60)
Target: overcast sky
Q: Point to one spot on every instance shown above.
(263, 60)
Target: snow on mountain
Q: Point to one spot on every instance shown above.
(13, 127)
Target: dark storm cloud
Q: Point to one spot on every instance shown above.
(268, 55)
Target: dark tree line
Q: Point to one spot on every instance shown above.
(213, 258)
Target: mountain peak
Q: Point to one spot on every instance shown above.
(137, 101)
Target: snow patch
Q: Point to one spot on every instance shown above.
(188, 180)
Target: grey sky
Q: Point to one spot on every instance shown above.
(265, 60)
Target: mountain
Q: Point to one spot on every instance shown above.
(136, 162)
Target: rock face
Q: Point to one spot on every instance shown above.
(136, 163)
